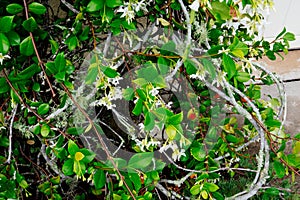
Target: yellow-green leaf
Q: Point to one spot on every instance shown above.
(79, 156)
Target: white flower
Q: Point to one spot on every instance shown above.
(195, 5)
(3, 57)
(129, 14)
(115, 93)
(177, 153)
(154, 92)
(115, 80)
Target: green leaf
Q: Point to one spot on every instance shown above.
(163, 65)
(26, 47)
(136, 180)
(28, 72)
(4, 44)
(195, 190)
(149, 121)
(138, 107)
(4, 86)
(171, 131)
(14, 38)
(281, 33)
(148, 72)
(142, 94)
(198, 152)
(43, 109)
(271, 55)
(232, 138)
(109, 72)
(75, 130)
(209, 67)
(229, 66)
(30, 24)
(14, 8)
(88, 155)
(273, 123)
(54, 46)
(23, 184)
(37, 8)
(72, 147)
(85, 34)
(60, 62)
(67, 168)
(99, 179)
(6, 23)
(211, 187)
(176, 119)
(243, 77)
(72, 42)
(45, 130)
(279, 169)
(92, 74)
(55, 180)
(95, 5)
(114, 3)
(167, 48)
(190, 67)
(140, 160)
(220, 10)
(128, 94)
(272, 191)
(159, 81)
(120, 163)
(289, 36)
(238, 48)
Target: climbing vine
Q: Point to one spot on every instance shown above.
(138, 99)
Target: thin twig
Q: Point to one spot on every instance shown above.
(11, 133)
(70, 6)
(41, 63)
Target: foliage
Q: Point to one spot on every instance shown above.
(141, 100)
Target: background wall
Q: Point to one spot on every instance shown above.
(286, 14)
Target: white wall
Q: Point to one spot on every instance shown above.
(286, 14)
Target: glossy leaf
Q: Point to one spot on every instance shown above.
(176, 119)
(6, 23)
(95, 5)
(140, 160)
(26, 47)
(67, 167)
(72, 42)
(14, 38)
(99, 179)
(114, 3)
(60, 62)
(149, 121)
(4, 44)
(37, 8)
(30, 24)
(171, 131)
(279, 169)
(45, 130)
(211, 187)
(198, 152)
(72, 147)
(195, 189)
(14, 8)
(92, 74)
(43, 109)
(136, 180)
(229, 66)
